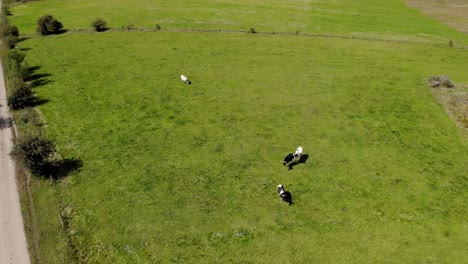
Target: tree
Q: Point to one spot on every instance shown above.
(9, 30)
(10, 41)
(47, 25)
(16, 65)
(20, 94)
(33, 151)
(99, 25)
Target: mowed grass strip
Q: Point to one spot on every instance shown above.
(390, 20)
(178, 173)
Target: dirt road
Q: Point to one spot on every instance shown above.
(13, 249)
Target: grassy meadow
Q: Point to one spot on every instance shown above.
(390, 20)
(177, 173)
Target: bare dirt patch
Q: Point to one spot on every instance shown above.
(450, 12)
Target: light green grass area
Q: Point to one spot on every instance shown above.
(391, 19)
(178, 173)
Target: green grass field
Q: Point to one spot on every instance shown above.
(177, 173)
(391, 20)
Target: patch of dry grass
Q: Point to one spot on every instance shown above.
(451, 12)
(455, 102)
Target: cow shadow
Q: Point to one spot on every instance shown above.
(288, 198)
(303, 159)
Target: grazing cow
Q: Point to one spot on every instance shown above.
(297, 154)
(291, 158)
(185, 79)
(281, 193)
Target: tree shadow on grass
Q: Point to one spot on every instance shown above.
(38, 79)
(40, 82)
(39, 101)
(59, 32)
(58, 169)
(34, 68)
(303, 159)
(23, 39)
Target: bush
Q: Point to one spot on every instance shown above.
(253, 31)
(438, 81)
(29, 116)
(20, 94)
(9, 30)
(47, 25)
(10, 41)
(17, 67)
(130, 27)
(33, 151)
(99, 25)
(6, 9)
(15, 56)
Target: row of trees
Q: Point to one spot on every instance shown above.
(32, 147)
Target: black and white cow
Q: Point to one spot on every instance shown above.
(291, 158)
(281, 193)
(297, 154)
(185, 79)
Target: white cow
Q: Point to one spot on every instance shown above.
(185, 79)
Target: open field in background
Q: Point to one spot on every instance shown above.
(177, 173)
(189, 173)
(390, 20)
(451, 12)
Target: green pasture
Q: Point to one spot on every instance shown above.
(391, 19)
(178, 173)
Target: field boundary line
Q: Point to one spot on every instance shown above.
(279, 33)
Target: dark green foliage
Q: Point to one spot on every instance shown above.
(158, 27)
(99, 25)
(11, 41)
(17, 67)
(253, 31)
(8, 33)
(20, 94)
(15, 56)
(9, 30)
(130, 27)
(33, 151)
(6, 10)
(47, 25)
(29, 116)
